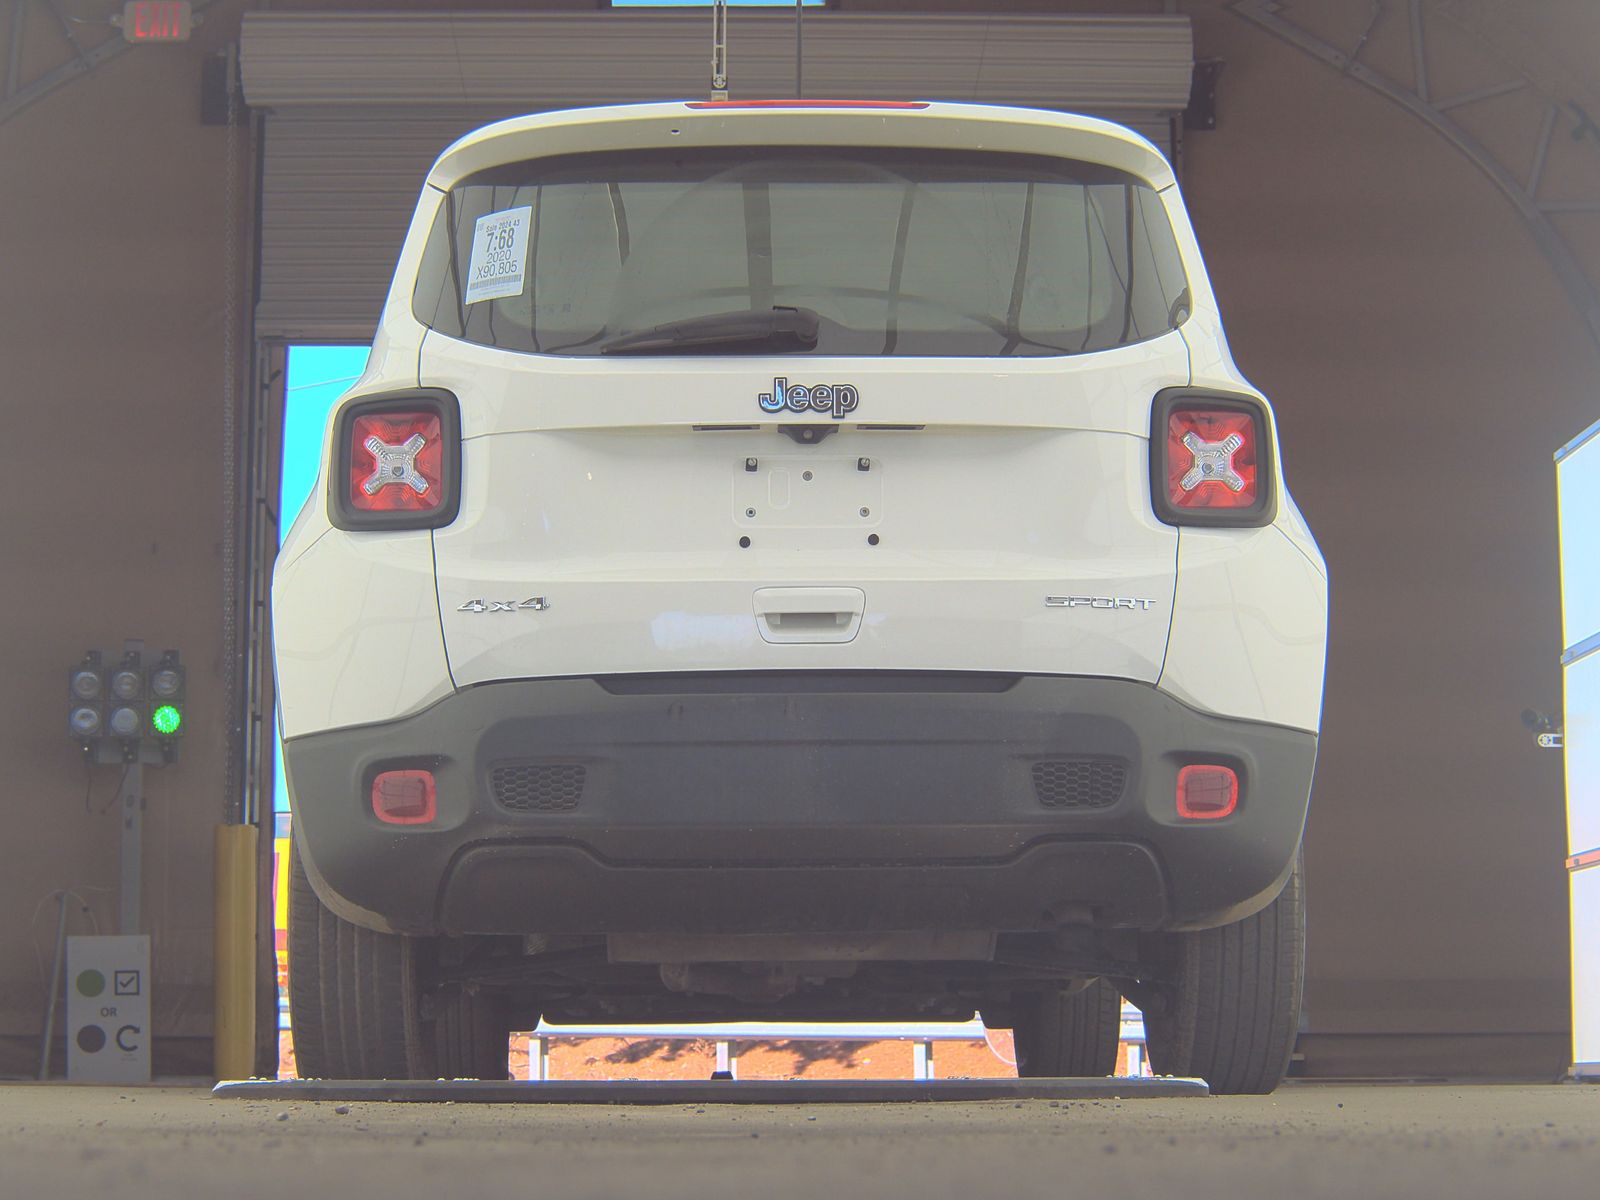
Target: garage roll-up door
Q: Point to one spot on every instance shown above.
(337, 190)
(360, 105)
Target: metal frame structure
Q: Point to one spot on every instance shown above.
(719, 50)
(1417, 98)
(921, 1034)
(15, 95)
(250, 781)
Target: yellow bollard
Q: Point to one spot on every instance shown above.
(234, 952)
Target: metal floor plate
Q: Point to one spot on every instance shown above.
(708, 1091)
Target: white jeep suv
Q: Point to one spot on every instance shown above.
(800, 560)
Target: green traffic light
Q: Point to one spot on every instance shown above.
(166, 720)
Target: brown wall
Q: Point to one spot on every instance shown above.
(1424, 364)
(111, 383)
(1423, 360)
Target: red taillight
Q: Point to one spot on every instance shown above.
(405, 797)
(397, 463)
(1207, 792)
(1211, 459)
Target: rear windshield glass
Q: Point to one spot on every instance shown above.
(885, 251)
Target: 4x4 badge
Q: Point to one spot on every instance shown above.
(835, 398)
(536, 603)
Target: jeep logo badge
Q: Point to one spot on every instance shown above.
(835, 398)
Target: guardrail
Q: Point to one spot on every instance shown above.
(922, 1035)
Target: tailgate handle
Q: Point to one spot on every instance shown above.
(809, 614)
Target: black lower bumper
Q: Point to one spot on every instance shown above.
(748, 803)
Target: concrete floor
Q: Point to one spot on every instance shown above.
(1307, 1141)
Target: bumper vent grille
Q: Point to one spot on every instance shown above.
(1079, 782)
(538, 787)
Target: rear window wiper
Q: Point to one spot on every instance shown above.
(777, 330)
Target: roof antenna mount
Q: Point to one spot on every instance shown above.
(719, 50)
(799, 48)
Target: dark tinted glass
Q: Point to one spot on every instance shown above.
(898, 252)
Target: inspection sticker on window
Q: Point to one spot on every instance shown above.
(498, 265)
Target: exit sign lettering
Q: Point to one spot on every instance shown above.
(157, 20)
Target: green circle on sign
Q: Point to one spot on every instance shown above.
(166, 719)
(91, 983)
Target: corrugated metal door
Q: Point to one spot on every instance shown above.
(338, 187)
(361, 105)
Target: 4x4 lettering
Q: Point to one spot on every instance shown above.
(532, 603)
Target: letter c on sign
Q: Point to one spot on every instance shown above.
(124, 1036)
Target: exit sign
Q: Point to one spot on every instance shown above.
(157, 20)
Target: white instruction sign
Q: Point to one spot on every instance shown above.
(108, 1009)
(498, 266)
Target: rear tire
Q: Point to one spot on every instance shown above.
(472, 1032)
(360, 1008)
(353, 996)
(1232, 1017)
(1070, 1035)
